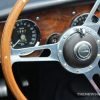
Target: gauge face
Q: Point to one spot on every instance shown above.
(81, 19)
(54, 38)
(25, 34)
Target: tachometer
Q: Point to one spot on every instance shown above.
(25, 34)
(81, 19)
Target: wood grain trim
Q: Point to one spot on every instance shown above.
(5, 49)
(51, 22)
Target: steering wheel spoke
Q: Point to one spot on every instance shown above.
(89, 22)
(94, 26)
(16, 55)
(90, 75)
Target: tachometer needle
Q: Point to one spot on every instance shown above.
(16, 43)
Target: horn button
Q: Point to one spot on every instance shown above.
(83, 50)
(80, 51)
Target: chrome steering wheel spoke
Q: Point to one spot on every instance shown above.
(89, 22)
(94, 26)
(16, 55)
(90, 75)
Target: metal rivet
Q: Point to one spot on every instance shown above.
(60, 51)
(6, 57)
(24, 0)
(65, 64)
(90, 66)
(98, 41)
(37, 18)
(64, 37)
(98, 55)
(73, 13)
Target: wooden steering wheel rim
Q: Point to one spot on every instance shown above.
(6, 49)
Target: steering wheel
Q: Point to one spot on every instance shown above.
(78, 50)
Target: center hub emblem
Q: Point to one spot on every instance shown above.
(83, 50)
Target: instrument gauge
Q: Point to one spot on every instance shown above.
(25, 34)
(54, 38)
(81, 19)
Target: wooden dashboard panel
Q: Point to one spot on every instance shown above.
(53, 20)
(56, 20)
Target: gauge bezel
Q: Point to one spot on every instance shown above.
(37, 43)
(55, 33)
(76, 18)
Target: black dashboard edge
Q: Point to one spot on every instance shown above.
(42, 4)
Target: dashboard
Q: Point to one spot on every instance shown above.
(5, 8)
(45, 26)
(44, 21)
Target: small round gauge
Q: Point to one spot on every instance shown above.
(54, 38)
(25, 34)
(81, 19)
